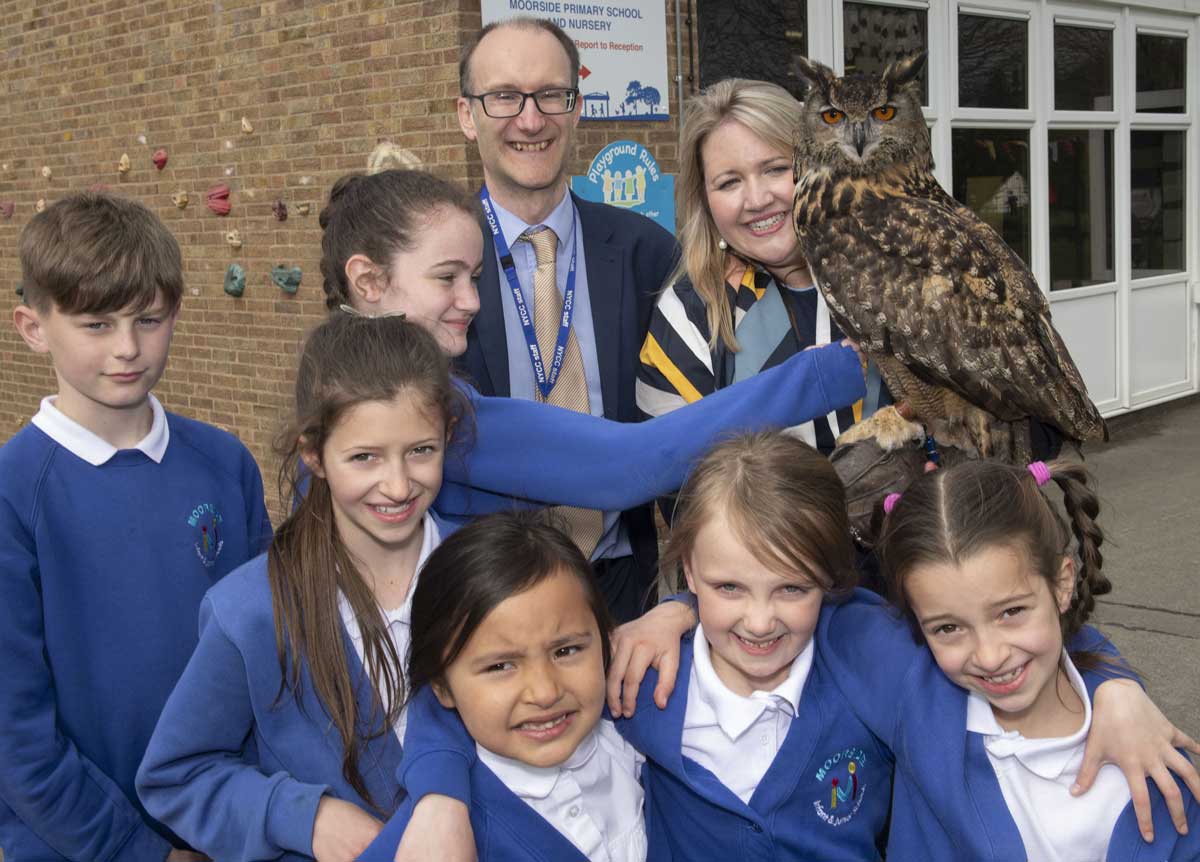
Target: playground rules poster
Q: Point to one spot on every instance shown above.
(622, 51)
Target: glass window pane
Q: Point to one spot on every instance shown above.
(876, 35)
(993, 63)
(1161, 73)
(991, 176)
(1083, 61)
(1156, 163)
(1081, 207)
(757, 39)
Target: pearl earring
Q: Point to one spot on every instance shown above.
(722, 245)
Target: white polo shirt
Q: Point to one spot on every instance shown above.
(82, 443)
(594, 799)
(1036, 776)
(736, 738)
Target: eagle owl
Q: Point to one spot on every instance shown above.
(948, 312)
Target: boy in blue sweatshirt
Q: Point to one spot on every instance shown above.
(115, 518)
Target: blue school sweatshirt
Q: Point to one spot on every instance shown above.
(948, 804)
(238, 770)
(102, 569)
(793, 813)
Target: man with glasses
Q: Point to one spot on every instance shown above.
(567, 286)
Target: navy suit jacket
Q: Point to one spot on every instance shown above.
(628, 259)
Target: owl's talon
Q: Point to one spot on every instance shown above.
(888, 427)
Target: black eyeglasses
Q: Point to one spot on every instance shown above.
(501, 104)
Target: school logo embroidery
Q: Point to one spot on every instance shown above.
(206, 520)
(843, 775)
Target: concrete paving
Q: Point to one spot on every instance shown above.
(1149, 483)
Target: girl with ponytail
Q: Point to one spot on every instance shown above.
(1000, 586)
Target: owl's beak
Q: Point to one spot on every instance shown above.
(860, 137)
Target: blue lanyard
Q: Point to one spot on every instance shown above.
(545, 380)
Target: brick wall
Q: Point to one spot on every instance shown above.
(83, 82)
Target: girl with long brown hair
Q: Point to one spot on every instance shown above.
(282, 737)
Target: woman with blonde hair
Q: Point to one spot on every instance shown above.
(742, 299)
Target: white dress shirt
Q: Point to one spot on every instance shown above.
(84, 444)
(399, 620)
(594, 799)
(1036, 775)
(736, 738)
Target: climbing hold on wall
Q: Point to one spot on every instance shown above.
(279, 208)
(218, 199)
(141, 139)
(40, 206)
(159, 158)
(235, 280)
(303, 208)
(286, 278)
(21, 290)
(124, 164)
(246, 127)
(234, 239)
(46, 172)
(180, 199)
(7, 208)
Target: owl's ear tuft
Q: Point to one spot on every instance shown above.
(903, 71)
(817, 76)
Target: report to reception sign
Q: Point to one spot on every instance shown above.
(622, 49)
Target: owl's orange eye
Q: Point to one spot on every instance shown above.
(832, 116)
(885, 113)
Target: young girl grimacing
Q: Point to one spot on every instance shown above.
(510, 631)
(300, 649)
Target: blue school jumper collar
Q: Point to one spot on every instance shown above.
(664, 731)
(658, 734)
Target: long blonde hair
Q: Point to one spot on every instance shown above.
(771, 113)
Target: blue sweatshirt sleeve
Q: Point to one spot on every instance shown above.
(57, 792)
(438, 751)
(194, 777)
(540, 452)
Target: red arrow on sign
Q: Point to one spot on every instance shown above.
(584, 71)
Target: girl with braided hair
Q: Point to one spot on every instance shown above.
(989, 724)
